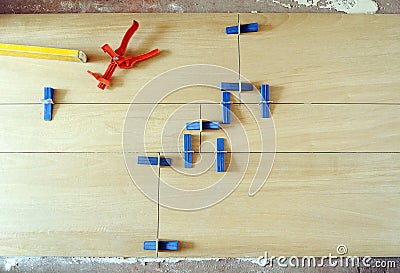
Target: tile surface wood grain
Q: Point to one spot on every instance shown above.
(299, 128)
(65, 188)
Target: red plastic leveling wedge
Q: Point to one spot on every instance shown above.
(119, 60)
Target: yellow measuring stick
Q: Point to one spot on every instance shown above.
(43, 52)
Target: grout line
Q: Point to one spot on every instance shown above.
(200, 133)
(238, 152)
(200, 111)
(199, 103)
(63, 152)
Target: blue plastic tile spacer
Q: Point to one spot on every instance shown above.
(146, 160)
(187, 150)
(205, 125)
(220, 155)
(162, 245)
(265, 102)
(226, 107)
(234, 86)
(253, 27)
(48, 102)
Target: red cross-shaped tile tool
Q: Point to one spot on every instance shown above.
(119, 60)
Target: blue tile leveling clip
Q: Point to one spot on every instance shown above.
(234, 86)
(202, 125)
(220, 155)
(265, 102)
(253, 27)
(162, 245)
(226, 107)
(187, 150)
(146, 160)
(48, 102)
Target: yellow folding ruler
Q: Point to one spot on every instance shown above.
(43, 52)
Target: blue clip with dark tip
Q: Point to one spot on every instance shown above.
(253, 27)
(162, 245)
(234, 86)
(187, 150)
(220, 155)
(226, 107)
(202, 125)
(146, 160)
(265, 102)
(48, 102)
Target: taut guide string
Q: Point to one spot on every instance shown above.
(238, 45)
(158, 203)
